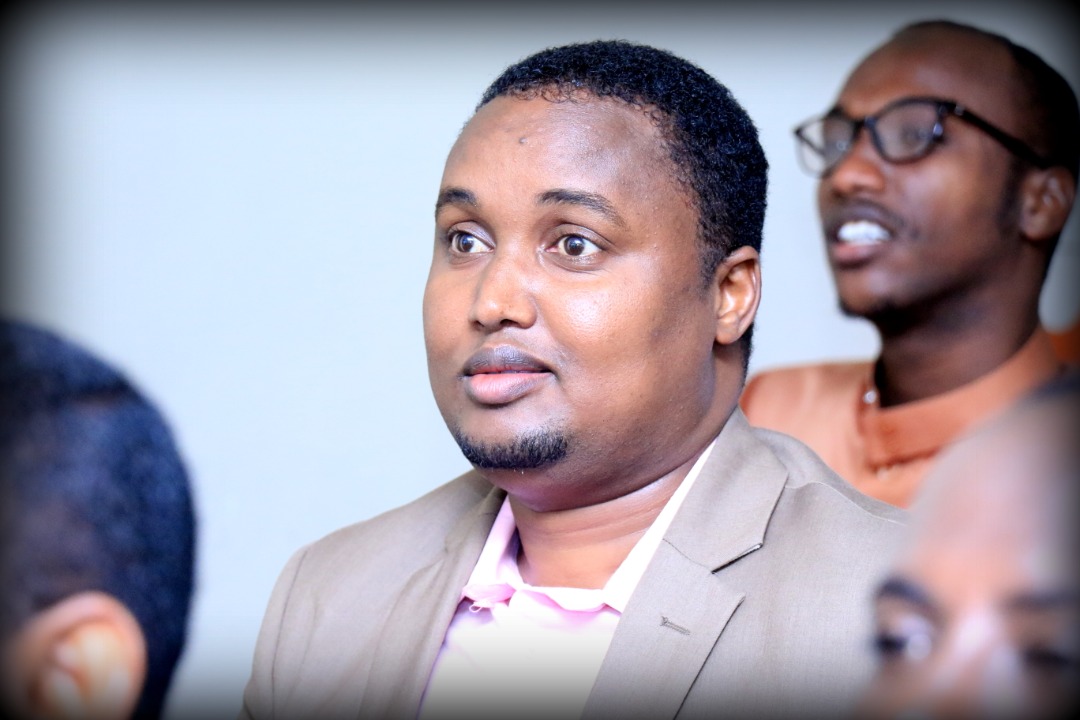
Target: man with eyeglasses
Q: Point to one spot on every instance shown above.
(947, 170)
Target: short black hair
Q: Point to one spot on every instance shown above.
(711, 139)
(1048, 100)
(94, 496)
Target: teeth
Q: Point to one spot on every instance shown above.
(862, 232)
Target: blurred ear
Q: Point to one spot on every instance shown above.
(1047, 199)
(738, 285)
(84, 657)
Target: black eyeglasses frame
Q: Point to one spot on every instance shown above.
(945, 108)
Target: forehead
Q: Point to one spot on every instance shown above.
(974, 71)
(582, 141)
(996, 517)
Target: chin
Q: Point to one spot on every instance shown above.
(876, 310)
(851, 310)
(527, 451)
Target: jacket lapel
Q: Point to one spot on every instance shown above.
(661, 643)
(413, 632)
(682, 603)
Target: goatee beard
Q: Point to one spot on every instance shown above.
(526, 452)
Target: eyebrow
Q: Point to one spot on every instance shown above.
(904, 589)
(592, 201)
(1042, 601)
(455, 196)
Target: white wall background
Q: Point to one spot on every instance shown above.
(236, 208)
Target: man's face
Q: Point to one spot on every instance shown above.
(981, 617)
(908, 236)
(569, 335)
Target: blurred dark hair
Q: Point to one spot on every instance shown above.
(94, 495)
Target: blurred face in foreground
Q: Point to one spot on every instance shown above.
(980, 615)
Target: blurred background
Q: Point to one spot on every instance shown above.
(235, 207)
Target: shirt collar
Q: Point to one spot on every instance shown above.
(923, 427)
(496, 577)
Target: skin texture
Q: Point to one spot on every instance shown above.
(566, 252)
(980, 614)
(955, 290)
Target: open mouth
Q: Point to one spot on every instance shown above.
(862, 232)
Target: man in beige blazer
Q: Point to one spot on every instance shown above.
(587, 319)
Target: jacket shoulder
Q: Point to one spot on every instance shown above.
(418, 528)
(808, 474)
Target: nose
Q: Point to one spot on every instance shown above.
(977, 674)
(860, 170)
(504, 294)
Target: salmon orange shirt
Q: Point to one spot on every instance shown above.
(884, 452)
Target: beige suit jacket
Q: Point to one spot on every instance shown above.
(756, 602)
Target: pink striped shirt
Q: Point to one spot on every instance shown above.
(515, 647)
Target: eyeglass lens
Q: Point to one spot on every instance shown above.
(901, 133)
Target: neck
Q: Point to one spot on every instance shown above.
(930, 358)
(583, 547)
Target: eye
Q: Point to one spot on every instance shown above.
(575, 246)
(1050, 660)
(836, 136)
(465, 243)
(910, 138)
(888, 645)
(1051, 670)
(892, 647)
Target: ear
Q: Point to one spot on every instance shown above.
(1047, 199)
(84, 657)
(738, 293)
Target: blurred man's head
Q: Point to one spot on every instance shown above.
(980, 616)
(948, 168)
(98, 536)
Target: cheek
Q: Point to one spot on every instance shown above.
(961, 201)
(633, 334)
(596, 319)
(442, 309)
(624, 320)
(895, 691)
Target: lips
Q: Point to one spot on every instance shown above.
(502, 374)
